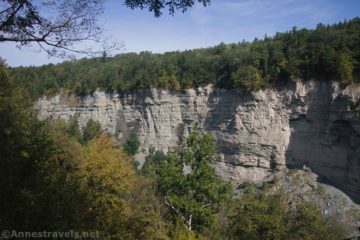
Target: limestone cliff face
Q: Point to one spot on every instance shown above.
(313, 124)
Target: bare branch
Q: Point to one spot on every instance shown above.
(187, 221)
(71, 22)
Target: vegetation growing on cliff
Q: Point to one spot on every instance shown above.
(132, 144)
(54, 183)
(329, 52)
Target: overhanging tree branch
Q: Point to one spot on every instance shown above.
(58, 25)
(156, 6)
(74, 21)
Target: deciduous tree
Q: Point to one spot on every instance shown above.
(188, 183)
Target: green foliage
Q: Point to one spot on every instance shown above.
(107, 178)
(131, 146)
(326, 53)
(54, 183)
(247, 77)
(157, 6)
(247, 187)
(73, 130)
(181, 233)
(261, 216)
(37, 159)
(149, 216)
(194, 195)
(345, 68)
(152, 161)
(91, 130)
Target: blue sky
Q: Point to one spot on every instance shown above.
(223, 21)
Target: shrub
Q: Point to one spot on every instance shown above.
(131, 145)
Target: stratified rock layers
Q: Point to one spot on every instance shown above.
(313, 124)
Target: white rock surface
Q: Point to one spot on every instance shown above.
(308, 124)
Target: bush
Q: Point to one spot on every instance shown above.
(73, 130)
(247, 78)
(261, 216)
(131, 145)
(92, 129)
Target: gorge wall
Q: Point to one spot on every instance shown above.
(314, 124)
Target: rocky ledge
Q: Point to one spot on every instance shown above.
(313, 124)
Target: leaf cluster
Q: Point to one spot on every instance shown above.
(188, 182)
(328, 52)
(156, 6)
(263, 216)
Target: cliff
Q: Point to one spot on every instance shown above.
(314, 124)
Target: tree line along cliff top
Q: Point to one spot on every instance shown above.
(328, 52)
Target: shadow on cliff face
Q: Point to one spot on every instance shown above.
(221, 119)
(223, 105)
(327, 140)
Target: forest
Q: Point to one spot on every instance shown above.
(55, 177)
(329, 52)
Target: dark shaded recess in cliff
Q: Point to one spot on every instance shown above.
(326, 141)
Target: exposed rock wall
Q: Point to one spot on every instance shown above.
(314, 124)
